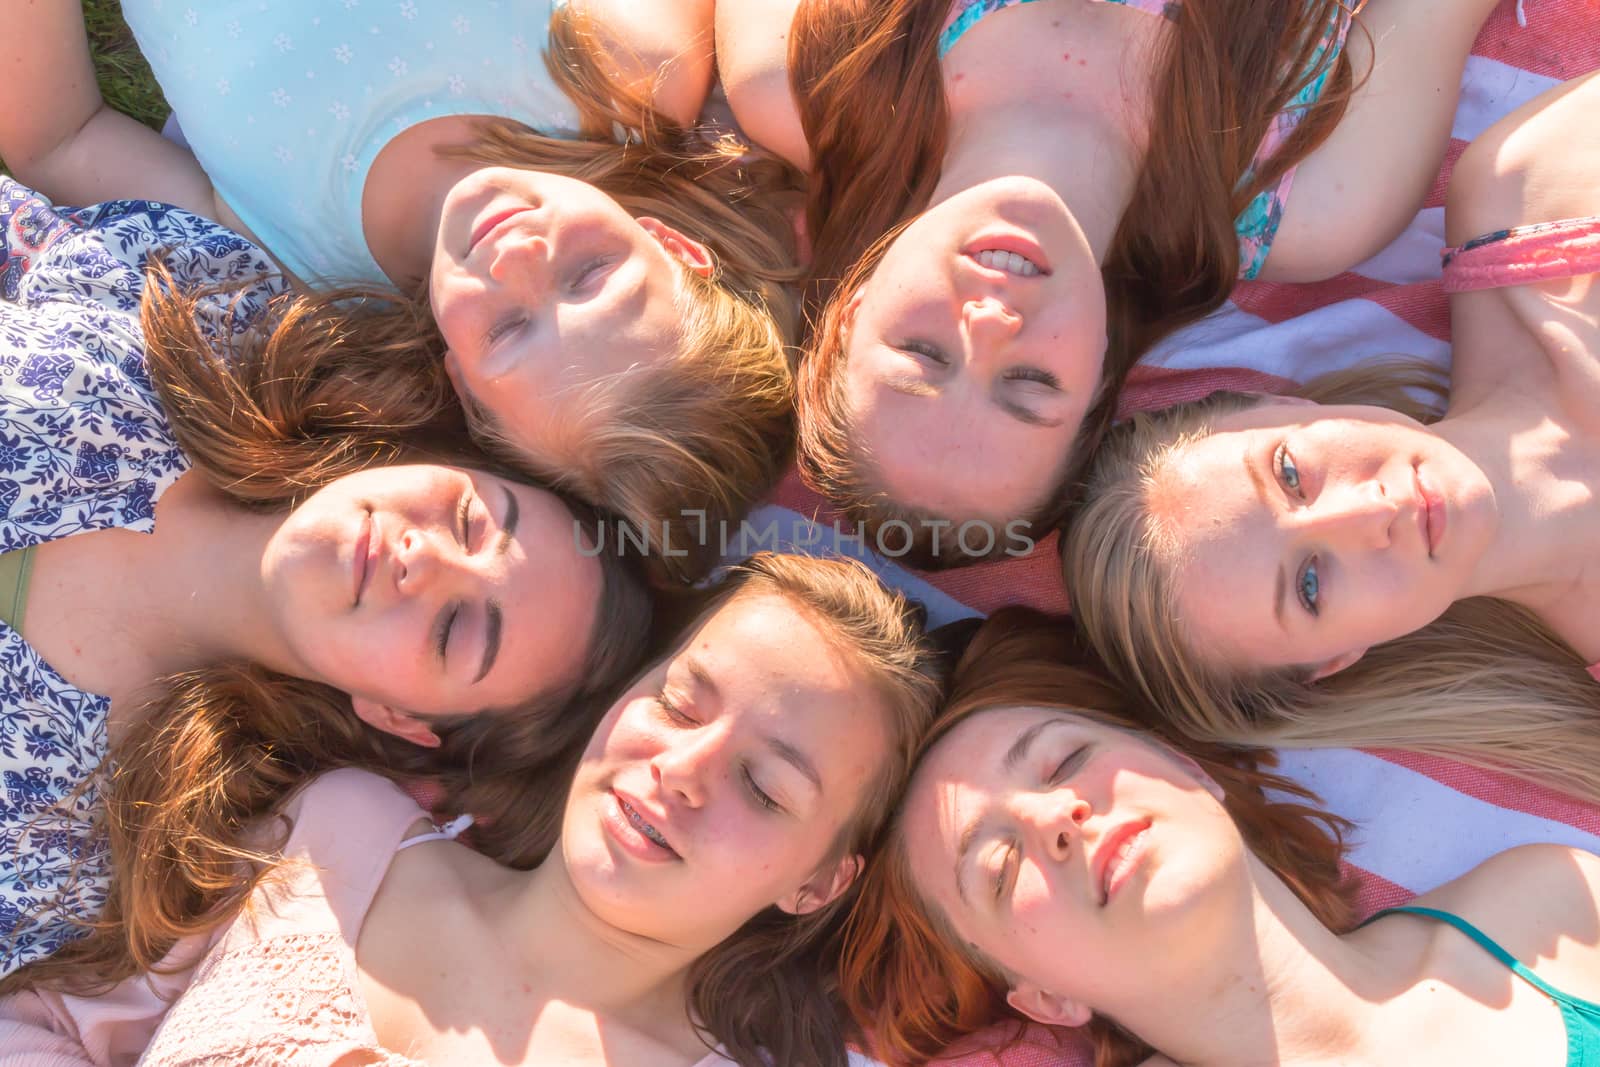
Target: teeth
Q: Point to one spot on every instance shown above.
(1009, 262)
(645, 828)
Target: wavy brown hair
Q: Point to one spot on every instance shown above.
(769, 993)
(914, 987)
(865, 76)
(216, 748)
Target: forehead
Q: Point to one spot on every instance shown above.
(769, 659)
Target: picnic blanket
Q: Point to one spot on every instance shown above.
(1421, 821)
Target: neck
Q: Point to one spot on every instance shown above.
(1299, 994)
(204, 597)
(587, 961)
(1543, 533)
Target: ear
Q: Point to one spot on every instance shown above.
(1336, 664)
(1046, 1007)
(391, 721)
(452, 370)
(823, 888)
(691, 253)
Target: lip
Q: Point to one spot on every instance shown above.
(1109, 874)
(1434, 518)
(489, 225)
(361, 564)
(630, 837)
(1009, 241)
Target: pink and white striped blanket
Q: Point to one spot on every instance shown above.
(1420, 821)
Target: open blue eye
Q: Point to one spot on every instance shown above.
(1288, 473)
(1310, 586)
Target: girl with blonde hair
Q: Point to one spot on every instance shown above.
(709, 846)
(1011, 201)
(1058, 860)
(604, 288)
(1267, 570)
(216, 578)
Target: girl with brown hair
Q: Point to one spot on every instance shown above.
(1279, 571)
(1056, 859)
(710, 842)
(1010, 202)
(216, 576)
(604, 288)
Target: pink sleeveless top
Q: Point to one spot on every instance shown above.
(278, 985)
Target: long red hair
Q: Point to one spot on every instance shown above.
(913, 989)
(866, 79)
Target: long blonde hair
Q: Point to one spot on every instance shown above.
(1487, 683)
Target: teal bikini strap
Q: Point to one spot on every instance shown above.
(1484, 942)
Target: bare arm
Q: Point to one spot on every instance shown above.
(668, 42)
(58, 136)
(1360, 188)
(753, 59)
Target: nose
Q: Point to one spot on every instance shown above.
(424, 564)
(1360, 516)
(1055, 821)
(521, 261)
(683, 767)
(990, 325)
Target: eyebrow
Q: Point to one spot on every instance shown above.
(1015, 755)
(796, 759)
(1280, 585)
(909, 386)
(494, 618)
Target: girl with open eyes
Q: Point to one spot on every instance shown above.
(1272, 569)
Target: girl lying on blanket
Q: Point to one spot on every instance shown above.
(208, 567)
(613, 314)
(1016, 199)
(1252, 566)
(1055, 857)
(711, 838)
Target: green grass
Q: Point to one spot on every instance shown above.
(125, 78)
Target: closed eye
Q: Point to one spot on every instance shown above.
(1000, 876)
(463, 530)
(1069, 766)
(441, 628)
(761, 796)
(672, 710)
(1033, 374)
(932, 353)
(590, 275)
(504, 328)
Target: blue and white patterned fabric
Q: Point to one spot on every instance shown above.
(286, 103)
(83, 446)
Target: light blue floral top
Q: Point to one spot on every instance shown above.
(83, 446)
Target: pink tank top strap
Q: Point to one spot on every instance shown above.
(1565, 248)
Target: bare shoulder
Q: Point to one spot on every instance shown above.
(1537, 164)
(753, 62)
(1528, 898)
(669, 42)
